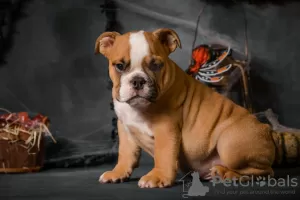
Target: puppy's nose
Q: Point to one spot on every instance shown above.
(138, 82)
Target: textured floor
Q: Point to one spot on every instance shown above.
(83, 184)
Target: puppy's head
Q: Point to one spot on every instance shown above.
(138, 63)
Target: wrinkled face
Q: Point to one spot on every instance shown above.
(137, 63)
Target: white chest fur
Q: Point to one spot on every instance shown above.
(131, 117)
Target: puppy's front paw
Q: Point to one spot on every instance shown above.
(155, 179)
(113, 177)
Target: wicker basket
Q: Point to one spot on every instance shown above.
(21, 145)
(15, 157)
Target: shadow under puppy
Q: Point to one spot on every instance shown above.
(181, 122)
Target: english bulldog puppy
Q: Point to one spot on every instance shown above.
(182, 123)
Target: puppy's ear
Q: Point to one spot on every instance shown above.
(104, 42)
(168, 38)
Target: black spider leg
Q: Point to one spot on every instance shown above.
(109, 8)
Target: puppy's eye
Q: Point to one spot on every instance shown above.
(120, 67)
(155, 65)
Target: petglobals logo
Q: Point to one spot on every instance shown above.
(251, 186)
(256, 181)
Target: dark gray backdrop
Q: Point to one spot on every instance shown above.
(51, 67)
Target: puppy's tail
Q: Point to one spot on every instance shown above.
(287, 148)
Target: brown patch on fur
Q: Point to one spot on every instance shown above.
(118, 52)
(166, 78)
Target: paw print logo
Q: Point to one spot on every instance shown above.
(261, 181)
(188, 185)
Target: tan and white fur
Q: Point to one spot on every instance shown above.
(179, 121)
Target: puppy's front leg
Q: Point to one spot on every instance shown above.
(128, 158)
(166, 149)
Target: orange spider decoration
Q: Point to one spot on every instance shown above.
(200, 55)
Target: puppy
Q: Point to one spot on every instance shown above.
(181, 122)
